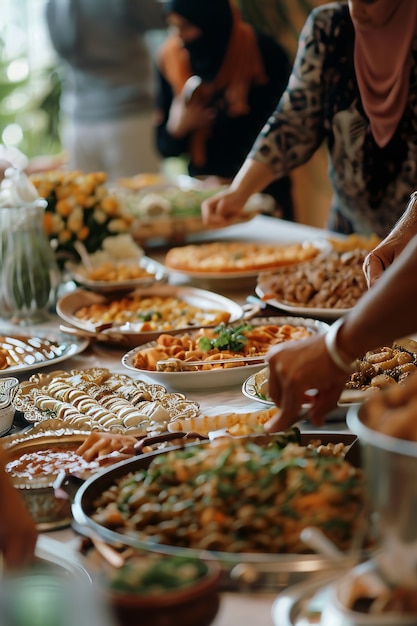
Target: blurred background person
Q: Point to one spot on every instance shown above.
(218, 80)
(107, 100)
(351, 86)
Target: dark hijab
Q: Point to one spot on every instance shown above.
(214, 18)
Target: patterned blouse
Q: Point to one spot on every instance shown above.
(371, 185)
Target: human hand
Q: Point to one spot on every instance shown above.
(381, 257)
(301, 372)
(221, 208)
(18, 533)
(186, 116)
(98, 444)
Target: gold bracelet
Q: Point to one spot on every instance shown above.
(330, 339)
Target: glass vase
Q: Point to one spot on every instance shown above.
(29, 273)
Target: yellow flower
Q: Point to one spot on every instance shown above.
(75, 219)
(80, 207)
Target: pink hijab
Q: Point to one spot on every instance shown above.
(382, 57)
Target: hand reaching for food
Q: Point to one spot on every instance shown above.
(99, 444)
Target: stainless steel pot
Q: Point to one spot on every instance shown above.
(390, 466)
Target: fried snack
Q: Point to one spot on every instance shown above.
(336, 281)
(204, 424)
(382, 367)
(4, 360)
(393, 411)
(245, 341)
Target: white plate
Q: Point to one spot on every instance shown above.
(128, 334)
(249, 390)
(78, 273)
(331, 314)
(67, 347)
(221, 377)
(189, 381)
(354, 396)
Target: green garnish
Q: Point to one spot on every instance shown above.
(146, 317)
(227, 338)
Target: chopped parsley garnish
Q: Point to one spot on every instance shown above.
(227, 338)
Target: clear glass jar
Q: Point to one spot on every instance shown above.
(29, 274)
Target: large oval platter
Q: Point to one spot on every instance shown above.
(217, 377)
(326, 286)
(132, 333)
(329, 314)
(267, 570)
(143, 407)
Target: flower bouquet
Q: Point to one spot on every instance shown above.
(79, 208)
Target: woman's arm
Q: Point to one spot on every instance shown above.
(381, 257)
(167, 144)
(297, 122)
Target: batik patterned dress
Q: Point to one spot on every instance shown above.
(371, 185)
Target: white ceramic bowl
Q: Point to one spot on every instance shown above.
(8, 388)
(216, 378)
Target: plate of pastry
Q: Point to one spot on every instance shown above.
(23, 352)
(211, 358)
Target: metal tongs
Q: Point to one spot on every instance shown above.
(178, 365)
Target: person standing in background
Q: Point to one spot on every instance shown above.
(107, 100)
(283, 20)
(217, 81)
(352, 85)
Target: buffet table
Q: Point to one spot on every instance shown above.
(243, 608)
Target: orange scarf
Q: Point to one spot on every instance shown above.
(242, 67)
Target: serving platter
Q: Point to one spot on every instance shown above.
(235, 278)
(261, 256)
(220, 377)
(327, 286)
(29, 353)
(141, 408)
(329, 314)
(132, 333)
(156, 273)
(267, 571)
(188, 381)
(169, 210)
